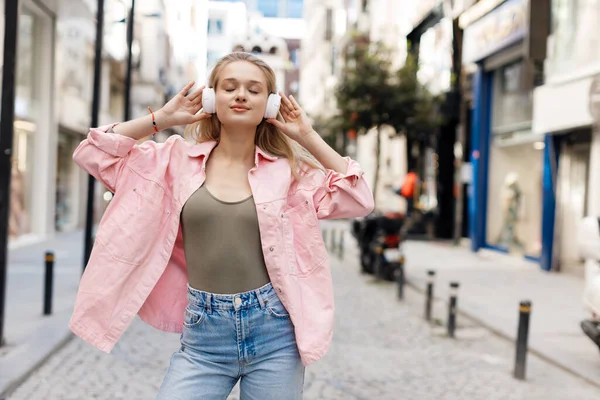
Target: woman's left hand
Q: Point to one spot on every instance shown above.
(296, 125)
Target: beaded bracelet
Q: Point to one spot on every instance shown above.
(153, 122)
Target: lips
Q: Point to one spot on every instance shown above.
(239, 108)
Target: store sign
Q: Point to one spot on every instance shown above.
(505, 25)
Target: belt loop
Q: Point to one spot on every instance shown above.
(208, 303)
(260, 299)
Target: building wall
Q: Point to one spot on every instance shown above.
(53, 104)
(572, 63)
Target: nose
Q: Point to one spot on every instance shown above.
(241, 95)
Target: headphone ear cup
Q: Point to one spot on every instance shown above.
(208, 100)
(273, 103)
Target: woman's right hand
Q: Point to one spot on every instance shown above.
(182, 109)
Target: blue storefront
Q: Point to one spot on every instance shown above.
(508, 201)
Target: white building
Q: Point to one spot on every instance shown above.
(565, 109)
(328, 24)
(230, 26)
(54, 86)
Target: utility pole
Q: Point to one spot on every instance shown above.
(89, 219)
(7, 117)
(130, 21)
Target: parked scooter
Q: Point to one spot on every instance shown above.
(589, 249)
(380, 244)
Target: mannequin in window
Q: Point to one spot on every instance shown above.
(512, 196)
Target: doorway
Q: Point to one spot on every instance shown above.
(572, 190)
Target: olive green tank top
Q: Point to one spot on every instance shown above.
(222, 244)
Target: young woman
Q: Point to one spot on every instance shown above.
(219, 240)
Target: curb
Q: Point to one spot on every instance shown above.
(508, 337)
(8, 386)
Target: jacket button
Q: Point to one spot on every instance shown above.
(271, 248)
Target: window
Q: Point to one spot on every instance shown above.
(294, 8)
(215, 27)
(575, 31)
(269, 8)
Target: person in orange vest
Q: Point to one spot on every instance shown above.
(409, 189)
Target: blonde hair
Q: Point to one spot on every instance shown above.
(268, 137)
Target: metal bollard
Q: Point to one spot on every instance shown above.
(341, 246)
(429, 299)
(48, 282)
(325, 237)
(400, 280)
(452, 308)
(522, 336)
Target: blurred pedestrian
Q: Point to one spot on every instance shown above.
(219, 240)
(409, 190)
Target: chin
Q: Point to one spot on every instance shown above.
(244, 120)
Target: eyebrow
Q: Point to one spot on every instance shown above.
(235, 80)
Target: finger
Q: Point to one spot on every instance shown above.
(295, 104)
(202, 116)
(196, 94)
(187, 87)
(197, 100)
(275, 123)
(285, 101)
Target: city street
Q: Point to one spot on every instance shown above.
(382, 349)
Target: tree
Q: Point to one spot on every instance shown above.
(371, 94)
(365, 95)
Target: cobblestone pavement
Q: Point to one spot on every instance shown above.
(382, 349)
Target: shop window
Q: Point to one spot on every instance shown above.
(514, 208)
(513, 98)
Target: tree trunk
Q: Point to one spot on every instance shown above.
(377, 165)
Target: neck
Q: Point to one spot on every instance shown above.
(237, 144)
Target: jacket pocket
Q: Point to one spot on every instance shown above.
(131, 226)
(304, 243)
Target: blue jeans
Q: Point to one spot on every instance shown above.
(247, 336)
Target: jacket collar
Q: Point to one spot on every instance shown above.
(205, 148)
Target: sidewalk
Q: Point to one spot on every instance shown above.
(491, 287)
(30, 336)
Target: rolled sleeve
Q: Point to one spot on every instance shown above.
(344, 195)
(103, 155)
(111, 143)
(352, 176)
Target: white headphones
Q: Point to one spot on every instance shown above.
(208, 103)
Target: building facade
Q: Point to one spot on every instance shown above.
(565, 113)
(55, 58)
(507, 157)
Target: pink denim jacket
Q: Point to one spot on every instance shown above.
(137, 265)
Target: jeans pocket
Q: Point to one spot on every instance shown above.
(193, 316)
(275, 308)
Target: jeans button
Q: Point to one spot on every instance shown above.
(238, 301)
